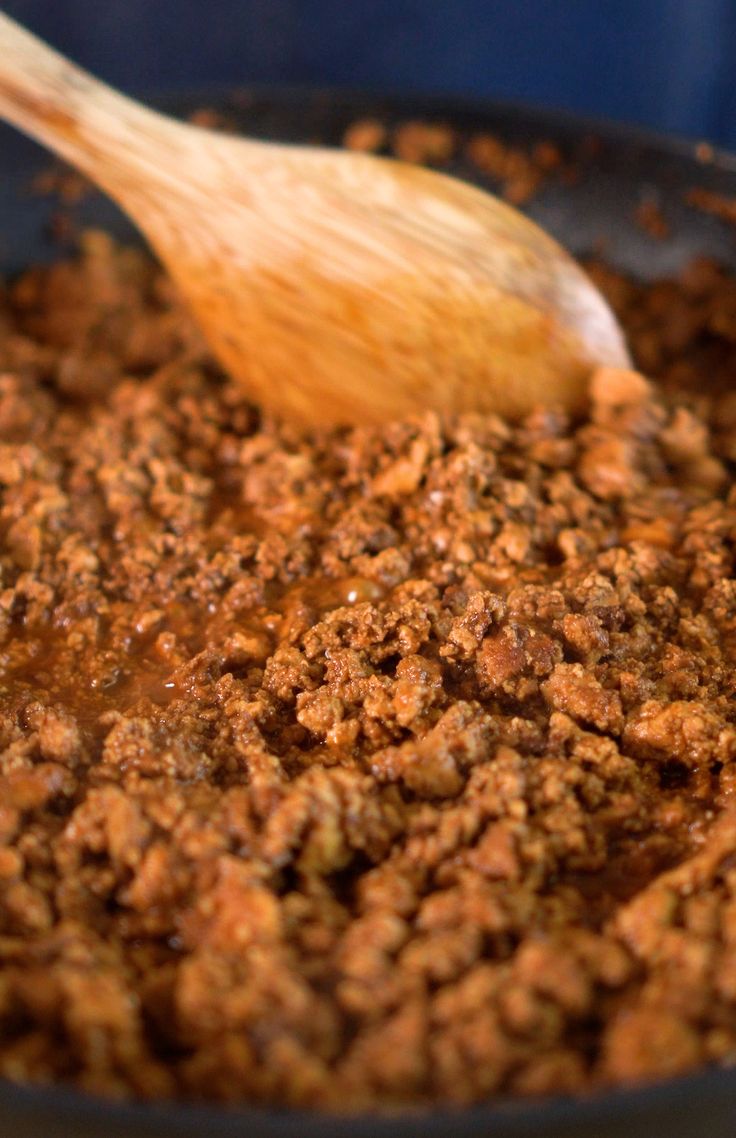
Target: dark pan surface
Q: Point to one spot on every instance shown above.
(596, 213)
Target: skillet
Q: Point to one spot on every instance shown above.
(595, 213)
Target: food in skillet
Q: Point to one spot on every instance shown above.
(376, 767)
(373, 768)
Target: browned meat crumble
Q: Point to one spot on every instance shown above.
(519, 173)
(720, 205)
(380, 767)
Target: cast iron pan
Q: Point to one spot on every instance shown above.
(594, 213)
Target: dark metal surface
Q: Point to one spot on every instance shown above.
(596, 212)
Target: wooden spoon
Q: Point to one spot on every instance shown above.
(335, 287)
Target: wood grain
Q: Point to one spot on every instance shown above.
(334, 287)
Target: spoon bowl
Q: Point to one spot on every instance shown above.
(334, 286)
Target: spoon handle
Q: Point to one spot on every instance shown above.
(102, 132)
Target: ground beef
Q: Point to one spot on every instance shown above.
(518, 173)
(373, 767)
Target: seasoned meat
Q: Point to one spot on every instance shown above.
(372, 767)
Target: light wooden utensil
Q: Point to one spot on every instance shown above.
(335, 287)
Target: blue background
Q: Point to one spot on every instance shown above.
(670, 64)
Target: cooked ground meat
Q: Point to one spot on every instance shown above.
(517, 172)
(377, 767)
